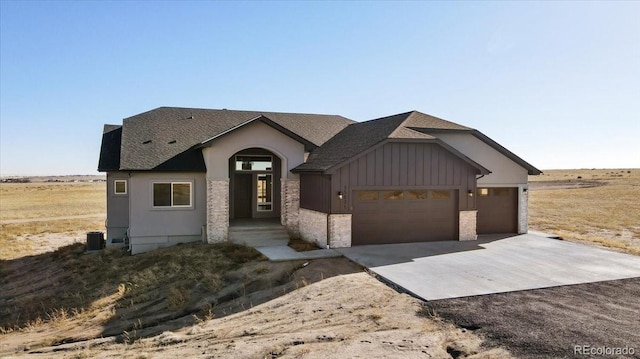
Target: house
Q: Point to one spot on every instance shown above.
(180, 174)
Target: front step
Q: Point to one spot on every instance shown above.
(262, 236)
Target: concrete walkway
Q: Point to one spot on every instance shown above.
(271, 239)
(492, 264)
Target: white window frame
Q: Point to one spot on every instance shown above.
(115, 187)
(172, 183)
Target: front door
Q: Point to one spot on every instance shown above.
(255, 184)
(242, 195)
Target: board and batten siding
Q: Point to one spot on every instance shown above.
(403, 165)
(315, 192)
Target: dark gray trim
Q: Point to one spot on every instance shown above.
(110, 149)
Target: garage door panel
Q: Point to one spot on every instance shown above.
(404, 216)
(497, 210)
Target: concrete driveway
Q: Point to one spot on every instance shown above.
(492, 264)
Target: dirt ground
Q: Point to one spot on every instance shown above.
(549, 323)
(327, 319)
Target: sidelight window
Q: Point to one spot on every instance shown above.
(264, 192)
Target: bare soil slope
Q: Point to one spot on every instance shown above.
(347, 316)
(180, 301)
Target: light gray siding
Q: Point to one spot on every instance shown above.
(151, 227)
(117, 207)
(504, 171)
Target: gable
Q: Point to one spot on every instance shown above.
(504, 170)
(257, 134)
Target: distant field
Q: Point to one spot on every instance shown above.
(598, 206)
(37, 201)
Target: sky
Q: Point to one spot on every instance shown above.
(557, 83)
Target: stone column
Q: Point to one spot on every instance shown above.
(340, 230)
(468, 225)
(217, 210)
(313, 227)
(523, 209)
(289, 211)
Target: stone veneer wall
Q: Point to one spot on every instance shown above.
(290, 208)
(217, 210)
(468, 225)
(340, 230)
(523, 209)
(313, 227)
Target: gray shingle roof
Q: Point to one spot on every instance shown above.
(359, 137)
(154, 137)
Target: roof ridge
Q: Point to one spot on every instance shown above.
(415, 113)
(252, 111)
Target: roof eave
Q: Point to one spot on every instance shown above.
(308, 145)
(531, 170)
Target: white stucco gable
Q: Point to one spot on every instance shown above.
(504, 171)
(255, 134)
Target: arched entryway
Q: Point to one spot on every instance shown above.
(254, 188)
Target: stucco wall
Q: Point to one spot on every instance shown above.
(503, 170)
(256, 134)
(117, 207)
(150, 227)
(467, 225)
(313, 227)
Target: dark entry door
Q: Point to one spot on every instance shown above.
(242, 195)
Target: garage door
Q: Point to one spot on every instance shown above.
(497, 210)
(404, 216)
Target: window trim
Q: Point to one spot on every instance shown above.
(172, 206)
(115, 187)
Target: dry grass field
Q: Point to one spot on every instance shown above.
(594, 206)
(38, 217)
(179, 301)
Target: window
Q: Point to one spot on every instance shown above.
(254, 163)
(368, 195)
(264, 192)
(172, 194)
(440, 194)
(120, 187)
(416, 195)
(483, 192)
(501, 192)
(392, 195)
